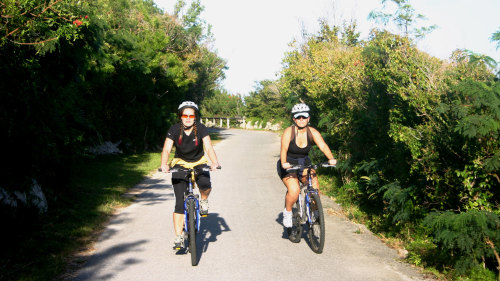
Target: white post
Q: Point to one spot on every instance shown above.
(227, 122)
(220, 122)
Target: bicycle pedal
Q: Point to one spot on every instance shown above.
(203, 215)
(176, 248)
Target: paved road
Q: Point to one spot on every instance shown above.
(242, 238)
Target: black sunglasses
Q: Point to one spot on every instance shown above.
(301, 117)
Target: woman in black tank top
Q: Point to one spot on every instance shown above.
(294, 151)
(296, 143)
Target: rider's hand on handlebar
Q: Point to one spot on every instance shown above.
(165, 168)
(332, 162)
(214, 166)
(286, 165)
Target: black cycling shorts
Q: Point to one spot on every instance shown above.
(282, 173)
(180, 183)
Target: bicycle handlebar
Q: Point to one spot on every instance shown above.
(297, 167)
(182, 169)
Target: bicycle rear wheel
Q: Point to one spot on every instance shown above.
(316, 230)
(192, 231)
(295, 232)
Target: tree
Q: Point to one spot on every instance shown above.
(350, 36)
(41, 23)
(496, 37)
(222, 104)
(404, 17)
(469, 239)
(266, 102)
(115, 72)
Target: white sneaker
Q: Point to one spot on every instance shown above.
(178, 242)
(203, 207)
(287, 218)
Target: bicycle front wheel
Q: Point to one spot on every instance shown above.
(316, 230)
(192, 231)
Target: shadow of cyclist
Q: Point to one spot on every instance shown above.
(211, 227)
(284, 235)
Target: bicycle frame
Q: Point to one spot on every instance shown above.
(307, 194)
(191, 196)
(307, 190)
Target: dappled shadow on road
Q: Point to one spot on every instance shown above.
(211, 227)
(151, 192)
(147, 194)
(97, 262)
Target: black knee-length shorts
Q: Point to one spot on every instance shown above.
(180, 183)
(283, 173)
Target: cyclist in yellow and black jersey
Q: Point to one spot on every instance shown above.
(190, 139)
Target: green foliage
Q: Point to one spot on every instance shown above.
(40, 23)
(116, 75)
(350, 36)
(496, 37)
(480, 273)
(74, 75)
(327, 33)
(39, 248)
(421, 251)
(222, 104)
(472, 111)
(403, 16)
(466, 237)
(476, 106)
(266, 103)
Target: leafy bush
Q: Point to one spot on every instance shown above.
(469, 238)
(78, 73)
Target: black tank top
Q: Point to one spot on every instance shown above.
(294, 151)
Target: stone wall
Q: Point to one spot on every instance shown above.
(260, 125)
(216, 122)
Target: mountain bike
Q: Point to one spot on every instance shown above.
(308, 210)
(191, 209)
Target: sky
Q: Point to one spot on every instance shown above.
(254, 35)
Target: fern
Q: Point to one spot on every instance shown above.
(467, 237)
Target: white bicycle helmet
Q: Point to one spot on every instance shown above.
(187, 104)
(300, 109)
